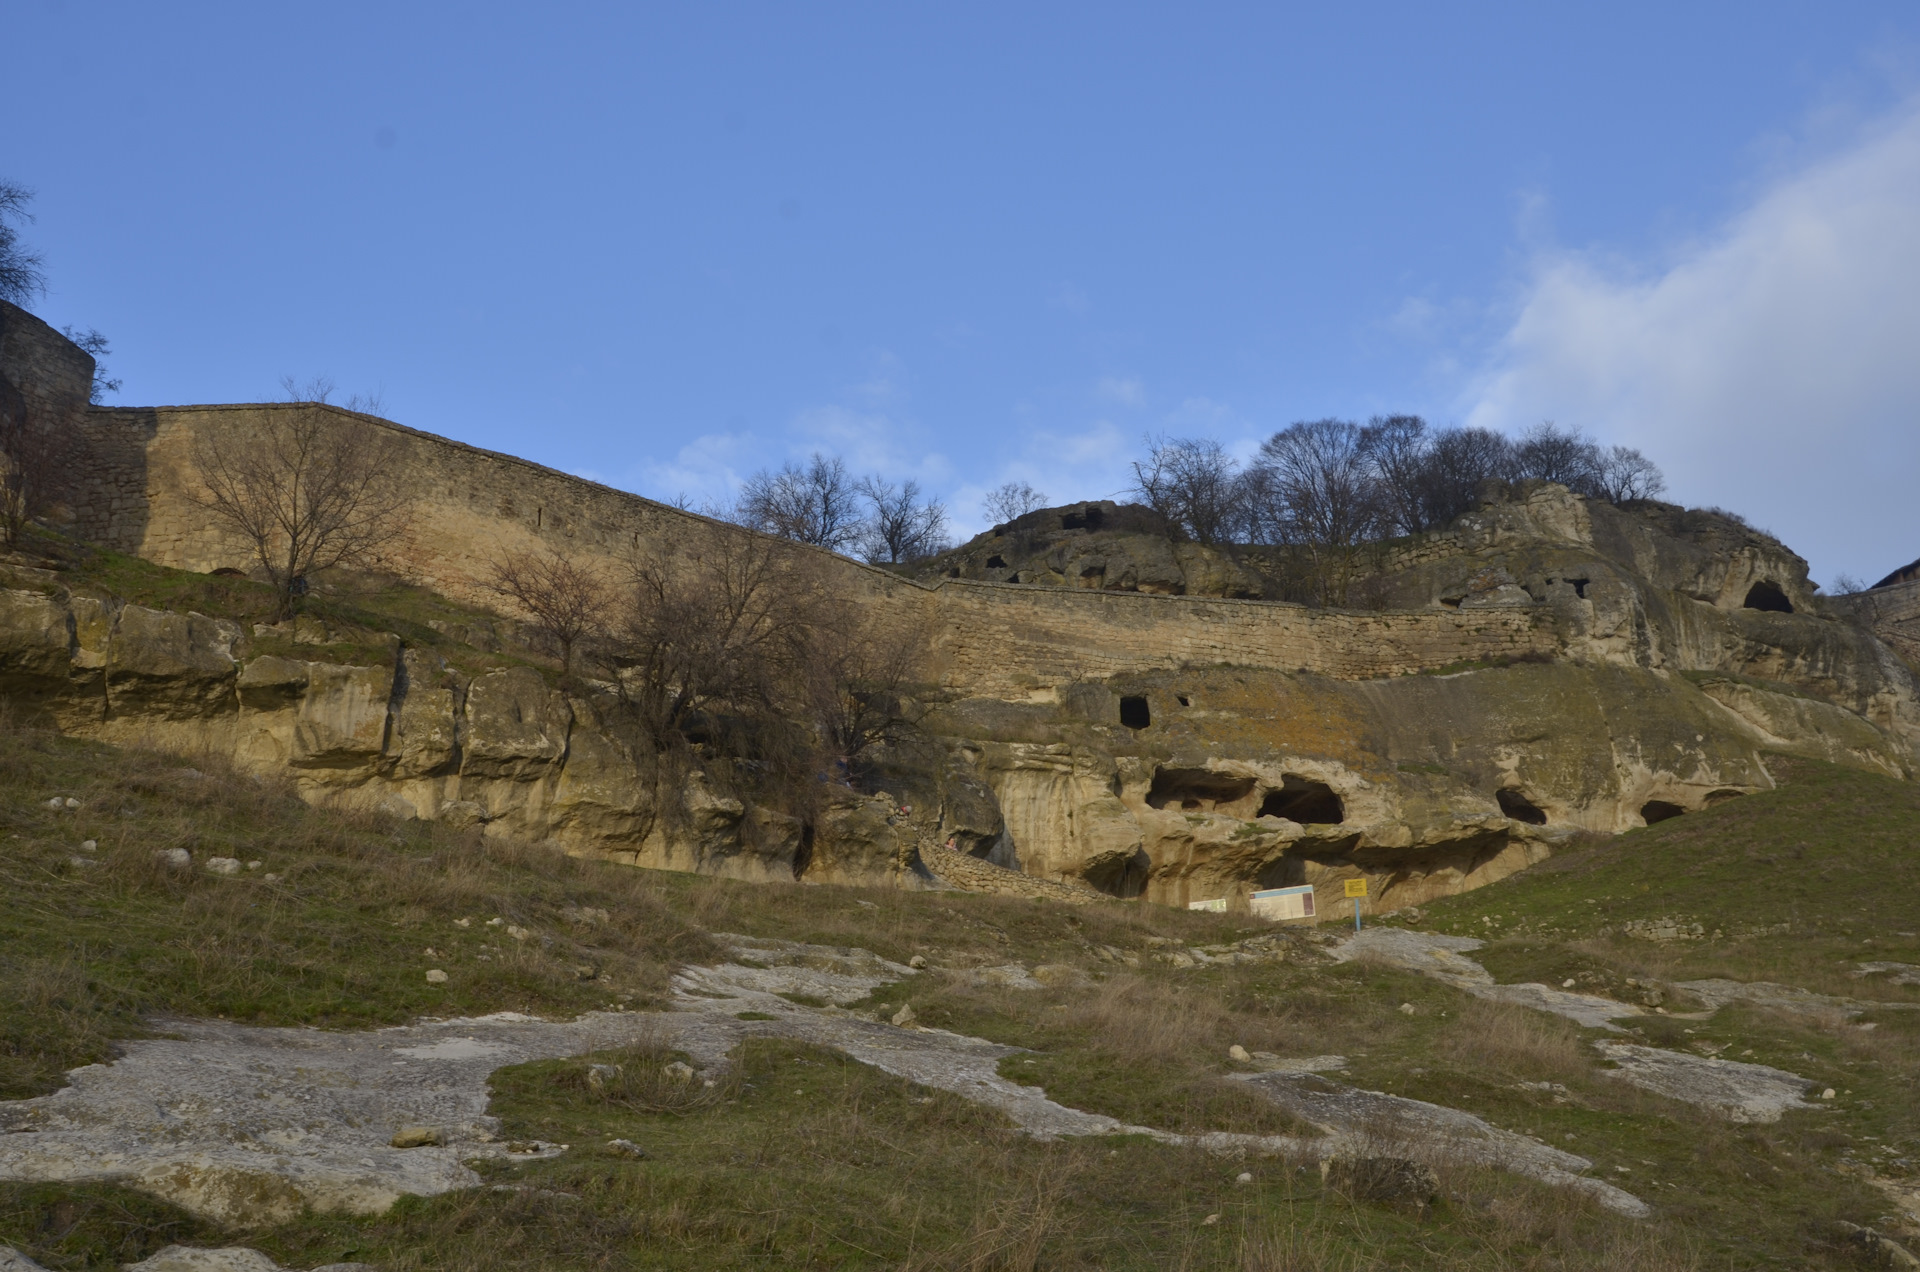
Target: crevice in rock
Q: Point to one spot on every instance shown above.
(1303, 800)
(1519, 807)
(1196, 790)
(1766, 595)
(1134, 713)
(1659, 810)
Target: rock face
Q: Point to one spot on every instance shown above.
(1546, 666)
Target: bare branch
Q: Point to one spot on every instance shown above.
(308, 488)
(568, 602)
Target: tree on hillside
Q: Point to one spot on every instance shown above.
(1547, 452)
(1322, 497)
(1396, 448)
(568, 602)
(37, 464)
(1012, 501)
(817, 504)
(1626, 474)
(725, 626)
(308, 488)
(901, 525)
(21, 276)
(1458, 463)
(1194, 484)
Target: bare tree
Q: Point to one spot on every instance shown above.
(726, 625)
(37, 464)
(1396, 446)
(1193, 483)
(1458, 462)
(1012, 501)
(1324, 497)
(1547, 452)
(818, 504)
(568, 602)
(856, 675)
(319, 390)
(1627, 474)
(901, 526)
(308, 488)
(97, 347)
(21, 276)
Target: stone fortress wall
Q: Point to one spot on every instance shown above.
(471, 506)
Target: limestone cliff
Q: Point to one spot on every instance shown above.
(1636, 665)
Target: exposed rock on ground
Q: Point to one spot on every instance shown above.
(1440, 957)
(248, 1125)
(1718, 993)
(1372, 1121)
(1738, 1091)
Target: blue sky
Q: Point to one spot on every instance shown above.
(665, 246)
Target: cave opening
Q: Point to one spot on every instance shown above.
(1303, 800)
(1089, 519)
(1659, 810)
(996, 562)
(1519, 807)
(1192, 790)
(1134, 713)
(1766, 595)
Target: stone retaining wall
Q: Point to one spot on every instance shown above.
(473, 506)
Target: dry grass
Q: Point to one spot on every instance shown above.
(1509, 1042)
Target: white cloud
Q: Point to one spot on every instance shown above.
(1772, 368)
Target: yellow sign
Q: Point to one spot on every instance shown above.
(1356, 887)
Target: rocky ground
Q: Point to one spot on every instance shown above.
(530, 1061)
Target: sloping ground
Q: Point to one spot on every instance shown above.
(1123, 1015)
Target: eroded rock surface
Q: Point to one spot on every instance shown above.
(248, 1125)
(1442, 958)
(1738, 1091)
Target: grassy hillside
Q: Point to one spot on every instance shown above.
(806, 1159)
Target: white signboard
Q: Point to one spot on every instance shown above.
(1216, 906)
(1284, 903)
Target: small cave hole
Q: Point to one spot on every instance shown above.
(1181, 698)
(995, 562)
(1722, 796)
(1766, 595)
(1659, 810)
(1580, 587)
(228, 572)
(1519, 807)
(1194, 789)
(1134, 713)
(1303, 800)
(953, 572)
(803, 855)
(1014, 577)
(1452, 602)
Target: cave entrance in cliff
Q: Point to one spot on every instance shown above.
(1766, 595)
(1134, 713)
(1303, 800)
(1659, 810)
(1196, 790)
(1519, 807)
